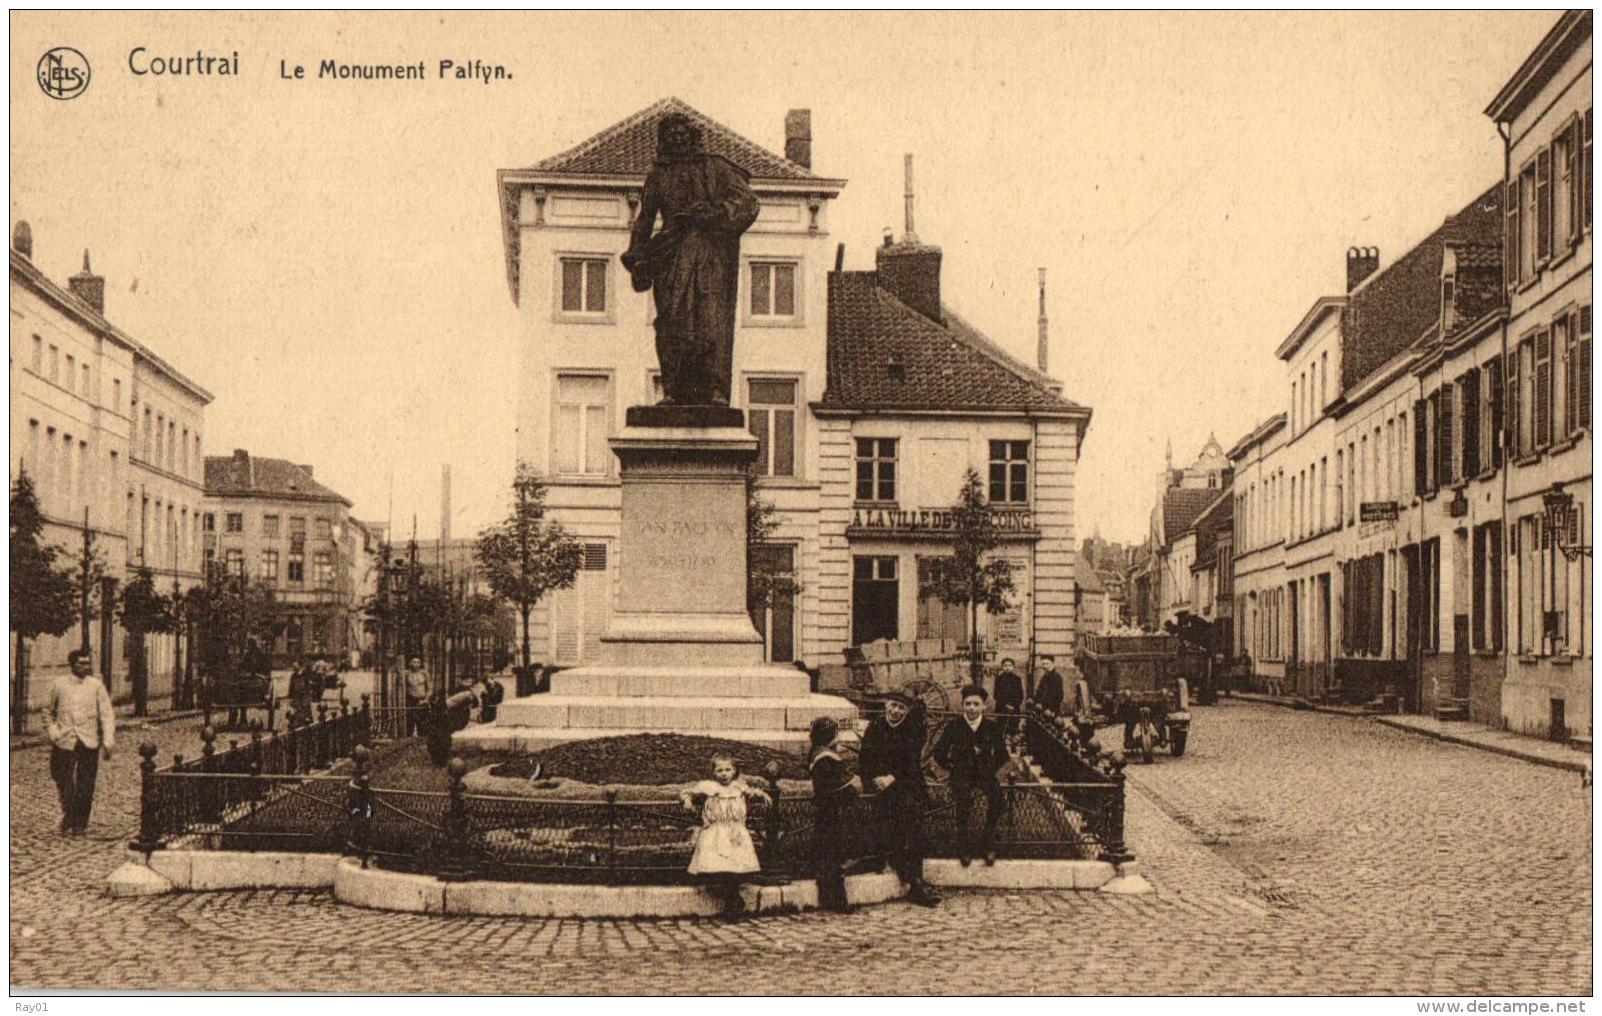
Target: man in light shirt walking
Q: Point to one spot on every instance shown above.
(83, 730)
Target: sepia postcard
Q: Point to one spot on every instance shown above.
(802, 504)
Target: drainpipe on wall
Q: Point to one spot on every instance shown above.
(1507, 609)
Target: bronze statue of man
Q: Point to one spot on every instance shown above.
(693, 262)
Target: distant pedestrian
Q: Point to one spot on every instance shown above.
(83, 729)
(1049, 692)
(724, 853)
(1009, 695)
(832, 796)
(891, 763)
(971, 748)
(418, 684)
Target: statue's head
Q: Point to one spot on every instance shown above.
(677, 134)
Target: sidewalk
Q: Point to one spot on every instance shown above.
(1462, 732)
(1473, 735)
(126, 721)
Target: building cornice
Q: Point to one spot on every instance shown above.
(1322, 306)
(945, 412)
(1571, 30)
(1260, 433)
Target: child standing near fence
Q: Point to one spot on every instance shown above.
(724, 853)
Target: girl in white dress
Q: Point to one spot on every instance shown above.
(723, 848)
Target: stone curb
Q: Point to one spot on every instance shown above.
(1573, 766)
(375, 888)
(1357, 712)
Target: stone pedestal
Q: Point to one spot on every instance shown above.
(680, 654)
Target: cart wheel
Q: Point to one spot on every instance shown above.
(1177, 741)
(931, 695)
(1143, 738)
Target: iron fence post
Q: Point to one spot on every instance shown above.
(454, 868)
(257, 789)
(367, 719)
(149, 839)
(1116, 850)
(359, 808)
(611, 837)
(770, 844)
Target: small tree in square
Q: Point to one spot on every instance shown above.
(144, 611)
(43, 596)
(524, 556)
(970, 577)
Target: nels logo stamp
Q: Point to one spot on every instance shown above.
(63, 73)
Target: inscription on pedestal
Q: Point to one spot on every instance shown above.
(683, 547)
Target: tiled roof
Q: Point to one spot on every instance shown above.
(1181, 506)
(885, 355)
(1085, 576)
(1393, 308)
(253, 476)
(628, 148)
(1215, 519)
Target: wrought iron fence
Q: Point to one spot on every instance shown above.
(262, 795)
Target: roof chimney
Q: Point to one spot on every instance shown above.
(89, 287)
(1043, 326)
(910, 232)
(445, 504)
(798, 137)
(305, 469)
(1361, 262)
(909, 270)
(22, 239)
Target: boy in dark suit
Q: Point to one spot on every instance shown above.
(832, 795)
(972, 750)
(1009, 695)
(891, 764)
(1049, 692)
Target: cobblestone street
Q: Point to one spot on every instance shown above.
(1291, 852)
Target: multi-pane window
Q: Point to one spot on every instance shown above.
(1488, 596)
(297, 566)
(208, 522)
(1009, 472)
(38, 355)
(583, 285)
(269, 567)
(55, 363)
(323, 569)
(269, 526)
(771, 417)
(876, 469)
(234, 561)
(1430, 591)
(235, 522)
(1542, 384)
(583, 409)
(773, 289)
(325, 529)
(72, 373)
(297, 528)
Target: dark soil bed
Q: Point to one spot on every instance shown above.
(641, 759)
(649, 759)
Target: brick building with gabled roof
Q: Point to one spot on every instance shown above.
(271, 522)
(844, 376)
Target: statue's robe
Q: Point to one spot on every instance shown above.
(693, 266)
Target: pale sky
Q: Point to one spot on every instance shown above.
(325, 257)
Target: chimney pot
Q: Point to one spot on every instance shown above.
(1361, 262)
(798, 137)
(22, 239)
(89, 287)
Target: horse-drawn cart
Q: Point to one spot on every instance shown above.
(1142, 682)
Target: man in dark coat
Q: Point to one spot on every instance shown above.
(1049, 692)
(832, 795)
(891, 764)
(693, 264)
(1009, 695)
(972, 750)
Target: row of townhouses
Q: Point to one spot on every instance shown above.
(869, 395)
(1417, 518)
(113, 437)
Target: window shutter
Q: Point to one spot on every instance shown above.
(1469, 386)
(1443, 437)
(1498, 613)
(1420, 450)
(1585, 165)
(1583, 358)
(1542, 390)
(1478, 570)
(595, 588)
(1511, 414)
(1512, 253)
(1543, 204)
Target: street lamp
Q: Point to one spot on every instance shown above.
(1559, 517)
